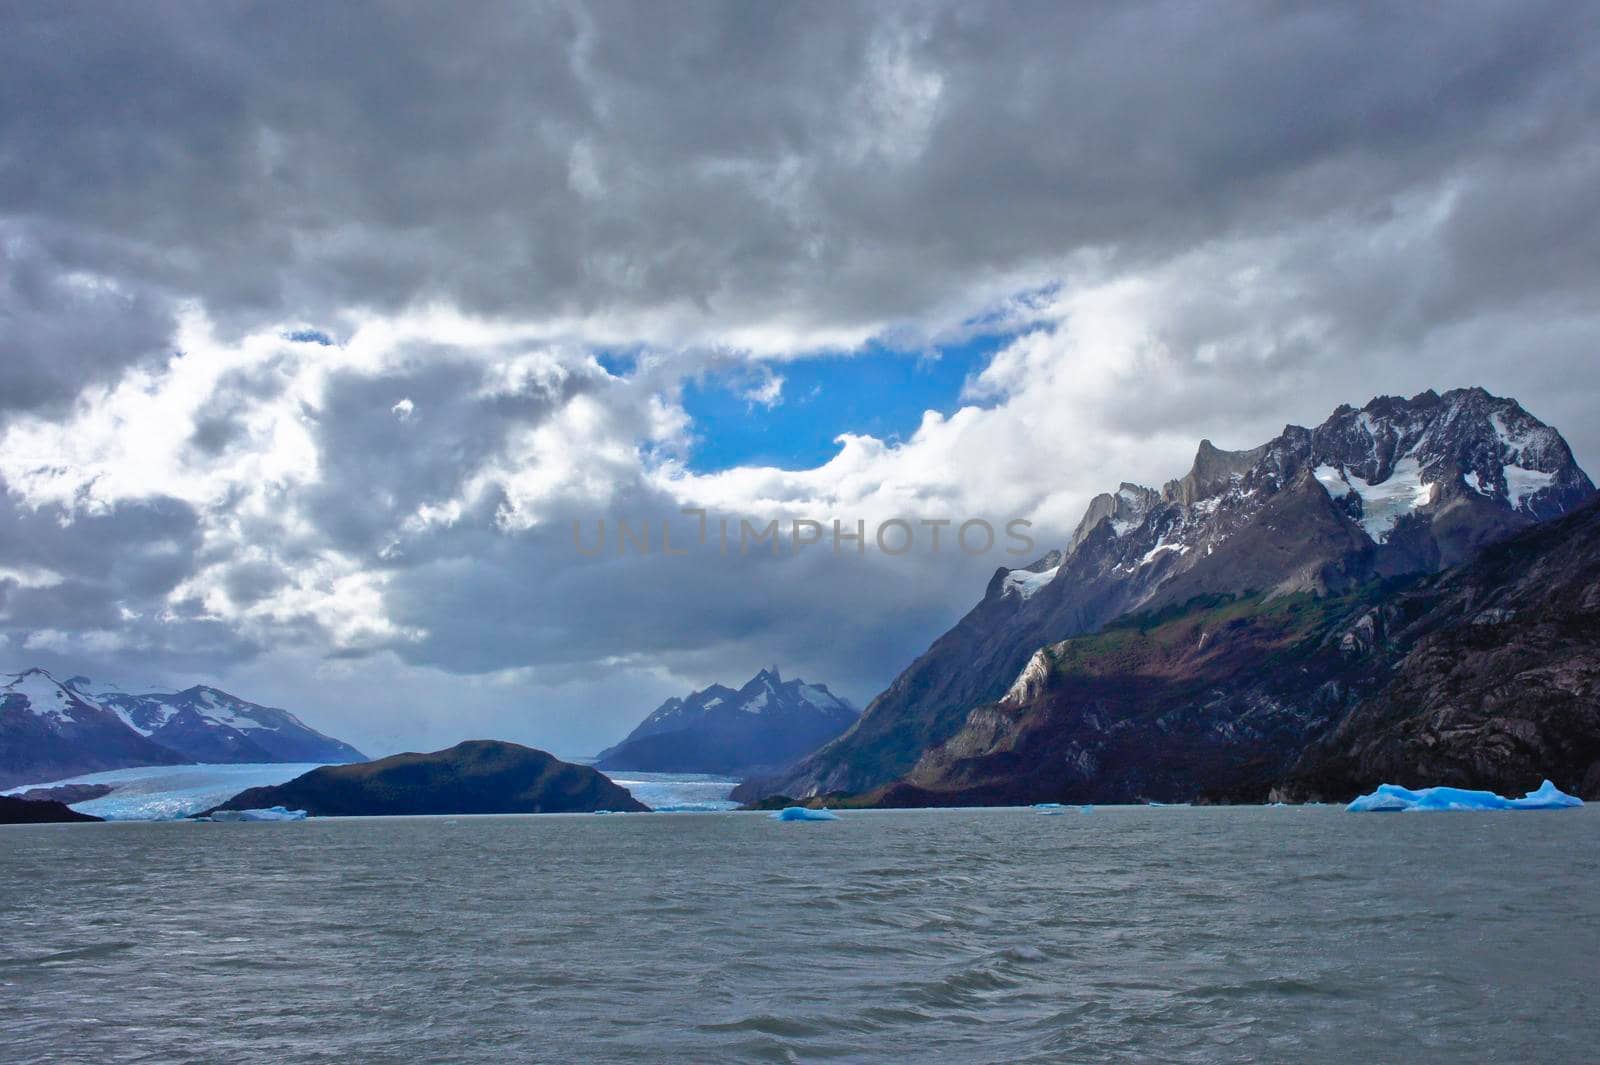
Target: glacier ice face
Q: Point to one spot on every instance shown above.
(801, 813)
(168, 792)
(1392, 798)
(271, 813)
(678, 792)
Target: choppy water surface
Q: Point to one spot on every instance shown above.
(1189, 935)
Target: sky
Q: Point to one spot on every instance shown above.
(322, 325)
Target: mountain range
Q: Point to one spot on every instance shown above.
(51, 729)
(1197, 595)
(766, 724)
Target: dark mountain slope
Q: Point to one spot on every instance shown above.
(1499, 686)
(1485, 676)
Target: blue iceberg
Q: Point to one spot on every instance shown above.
(801, 813)
(1392, 798)
(271, 813)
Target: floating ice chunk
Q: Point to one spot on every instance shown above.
(272, 813)
(1392, 798)
(1546, 797)
(801, 813)
(1167, 804)
(1047, 806)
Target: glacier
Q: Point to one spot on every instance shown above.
(1392, 798)
(801, 813)
(668, 793)
(170, 792)
(271, 813)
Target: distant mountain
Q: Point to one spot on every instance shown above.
(1484, 676)
(51, 729)
(476, 777)
(209, 725)
(1399, 487)
(767, 724)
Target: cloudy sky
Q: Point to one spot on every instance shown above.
(320, 324)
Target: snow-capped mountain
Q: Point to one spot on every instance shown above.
(209, 725)
(1400, 486)
(50, 729)
(768, 723)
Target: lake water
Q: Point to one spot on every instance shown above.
(1125, 934)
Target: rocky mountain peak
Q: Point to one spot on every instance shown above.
(1398, 486)
(1122, 510)
(768, 722)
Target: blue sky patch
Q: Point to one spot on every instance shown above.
(881, 392)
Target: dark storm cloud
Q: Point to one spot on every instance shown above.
(81, 571)
(743, 158)
(531, 599)
(69, 319)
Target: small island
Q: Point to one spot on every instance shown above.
(19, 811)
(474, 777)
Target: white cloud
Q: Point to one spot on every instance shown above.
(768, 392)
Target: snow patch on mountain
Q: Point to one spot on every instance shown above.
(818, 696)
(46, 697)
(155, 716)
(1523, 484)
(1025, 583)
(1151, 555)
(1385, 502)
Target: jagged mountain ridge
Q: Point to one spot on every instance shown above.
(767, 723)
(1399, 486)
(1483, 676)
(51, 729)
